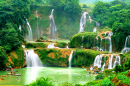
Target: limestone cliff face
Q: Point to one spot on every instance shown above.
(66, 27)
(16, 58)
(54, 57)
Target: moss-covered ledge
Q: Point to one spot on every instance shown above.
(54, 57)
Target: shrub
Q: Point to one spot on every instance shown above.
(100, 76)
(124, 79)
(107, 82)
(83, 57)
(35, 45)
(93, 83)
(61, 44)
(43, 38)
(67, 84)
(118, 68)
(85, 6)
(42, 82)
(85, 39)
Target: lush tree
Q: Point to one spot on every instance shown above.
(3, 58)
(9, 39)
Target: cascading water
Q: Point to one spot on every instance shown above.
(20, 27)
(30, 36)
(97, 24)
(38, 35)
(83, 21)
(117, 61)
(98, 60)
(109, 37)
(103, 64)
(103, 45)
(52, 28)
(110, 62)
(95, 29)
(82, 41)
(51, 46)
(67, 47)
(32, 59)
(127, 45)
(70, 59)
(90, 19)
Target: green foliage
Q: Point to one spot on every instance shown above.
(121, 31)
(67, 84)
(53, 57)
(3, 58)
(17, 58)
(35, 45)
(100, 76)
(83, 57)
(9, 39)
(93, 83)
(63, 22)
(116, 16)
(76, 41)
(107, 82)
(61, 44)
(108, 72)
(43, 38)
(118, 68)
(84, 6)
(42, 82)
(123, 67)
(13, 13)
(124, 79)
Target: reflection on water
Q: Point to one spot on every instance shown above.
(58, 75)
(31, 74)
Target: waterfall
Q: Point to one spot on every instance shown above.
(103, 44)
(127, 45)
(20, 27)
(51, 46)
(101, 49)
(117, 61)
(83, 21)
(90, 19)
(82, 41)
(32, 59)
(110, 62)
(98, 61)
(97, 24)
(52, 28)
(95, 29)
(67, 47)
(103, 64)
(109, 37)
(37, 25)
(23, 46)
(70, 59)
(30, 36)
(103, 67)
